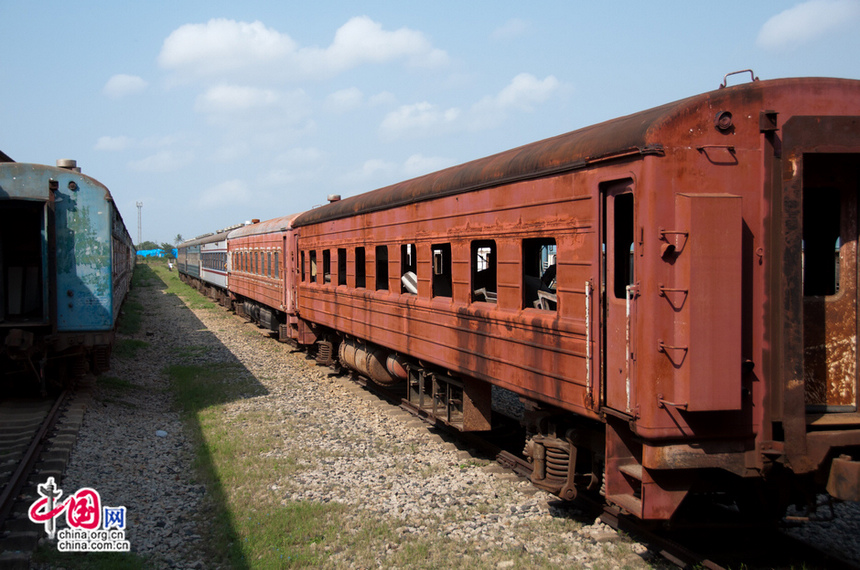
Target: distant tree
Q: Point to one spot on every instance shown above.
(148, 245)
(178, 239)
(167, 248)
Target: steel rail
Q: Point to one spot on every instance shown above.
(25, 466)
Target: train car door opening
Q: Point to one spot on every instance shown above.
(829, 266)
(618, 295)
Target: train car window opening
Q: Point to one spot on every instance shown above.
(408, 269)
(539, 274)
(21, 226)
(277, 266)
(269, 272)
(382, 268)
(822, 214)
(360, 268)
(341, 266)
(484, 286)
(623, 269)
(313, 260)
(326, 266)
(442, 279)
(302, 266)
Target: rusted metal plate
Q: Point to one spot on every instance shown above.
(844, 480)
(830, 310)
(706, 349)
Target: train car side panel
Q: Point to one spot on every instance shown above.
(84, 282)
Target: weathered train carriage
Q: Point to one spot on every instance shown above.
(660, 289)
(261, 283)
(202, 262)
(188, 260)
(66, 261)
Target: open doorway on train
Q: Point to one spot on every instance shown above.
(618, 293)
(830, 266)
(22, 262)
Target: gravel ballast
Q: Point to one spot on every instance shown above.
(370, 456)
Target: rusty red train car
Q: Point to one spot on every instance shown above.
(260, 289)
(672, 295)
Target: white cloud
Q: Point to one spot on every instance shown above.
(361, 40)
(162, 161)
(121, 85)
(232, 98)
(807, 22)
(383, 98)
(418, 119)
(114, 143)
(522, 94)
(344, 100)
(513, 28)
(221, 46)
(265, 110)
(227, 48)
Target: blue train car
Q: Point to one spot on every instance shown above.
(66, 260)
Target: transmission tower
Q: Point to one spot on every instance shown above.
(139, 208)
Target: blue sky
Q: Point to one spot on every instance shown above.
(212, 113)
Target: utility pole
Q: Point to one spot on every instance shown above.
(139, 208)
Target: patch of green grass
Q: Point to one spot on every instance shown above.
(130, 317)
(252, 527)
(196, 388)
(128, 347)
(189, 351)
(289, 535)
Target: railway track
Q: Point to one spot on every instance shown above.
(717, 548)
(36, 439)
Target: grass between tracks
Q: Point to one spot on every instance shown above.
(250, 521)
(251, 527)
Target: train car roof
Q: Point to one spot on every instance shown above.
(30, 181)
(266, 227)
(207, 238)
(631, 135)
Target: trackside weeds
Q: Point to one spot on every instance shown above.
(271, 462)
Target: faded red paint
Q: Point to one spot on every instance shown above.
(698, 356)
(272, 288)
